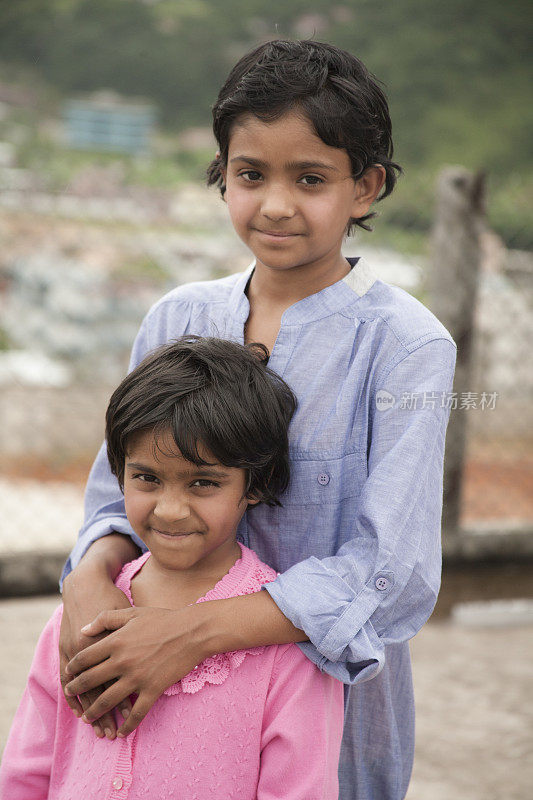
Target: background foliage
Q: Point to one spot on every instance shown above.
(458, 73)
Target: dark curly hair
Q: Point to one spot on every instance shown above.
(340, 97)
(210, 392)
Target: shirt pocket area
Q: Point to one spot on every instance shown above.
(320, 481)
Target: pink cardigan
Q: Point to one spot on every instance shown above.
(261, 724)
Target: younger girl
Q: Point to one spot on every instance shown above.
(196, 434)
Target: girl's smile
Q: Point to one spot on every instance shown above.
(169, 535)
(278, 235)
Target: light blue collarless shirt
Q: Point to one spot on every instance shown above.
(357, 540)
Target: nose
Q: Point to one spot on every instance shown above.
(277, 202)
(171, 506)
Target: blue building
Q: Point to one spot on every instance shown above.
(105, 121)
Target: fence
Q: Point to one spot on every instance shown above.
(484, 296)
(74, 287)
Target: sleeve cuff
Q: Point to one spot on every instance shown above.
(334, 616)
(344, 671)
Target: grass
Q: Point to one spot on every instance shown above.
(58, 165)
(142, 268)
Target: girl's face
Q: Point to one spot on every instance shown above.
(290, 196)
(186, 515)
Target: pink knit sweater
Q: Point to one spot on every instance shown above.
(260, 724)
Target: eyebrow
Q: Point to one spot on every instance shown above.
(294, 165)
(207, 471)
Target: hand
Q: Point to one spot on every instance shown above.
(79, 607)
(148, 651)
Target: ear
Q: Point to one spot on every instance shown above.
(367, 188)
(253, 499)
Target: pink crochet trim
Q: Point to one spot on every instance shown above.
(246, 576)
(213, 670)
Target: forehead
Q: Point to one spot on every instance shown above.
(149, 446)
(288, 139)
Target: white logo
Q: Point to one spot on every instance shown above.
(384, 400)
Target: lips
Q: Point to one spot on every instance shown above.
(278, 234)
(173, 534)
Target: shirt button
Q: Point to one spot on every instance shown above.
(117, 783)
(323, 479)
(382, 584)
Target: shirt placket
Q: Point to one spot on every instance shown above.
(122, 775)
(283, 348)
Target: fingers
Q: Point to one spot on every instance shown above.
(79, 704)
(89, 680)
(108, 724)
(92, 656)
(72, 641)
(104, 722)
(107, 721)
(124, 708)
(133, 659)
(108, 621)
(104, 726)
(140, 709)
(72, 700)
(113, 696)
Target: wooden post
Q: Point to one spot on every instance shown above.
(453, 283)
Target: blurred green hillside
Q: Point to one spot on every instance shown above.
(457, 73)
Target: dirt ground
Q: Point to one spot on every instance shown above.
(474, 713)
(472, 687)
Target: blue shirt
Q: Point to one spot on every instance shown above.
(357, 540)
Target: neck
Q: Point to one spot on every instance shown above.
(283, 288)
(160, 586)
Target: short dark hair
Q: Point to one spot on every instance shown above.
(335, 91)
(210, 392)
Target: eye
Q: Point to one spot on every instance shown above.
(311, 180)
(204, 483)
(250, 175)
(145, 477)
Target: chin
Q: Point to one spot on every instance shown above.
(279, 262)
(177, 564)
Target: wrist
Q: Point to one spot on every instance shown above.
(238, 623)
(206, 631)
(106, 556)
(86, 579)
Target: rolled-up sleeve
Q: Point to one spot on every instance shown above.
(382, 584)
